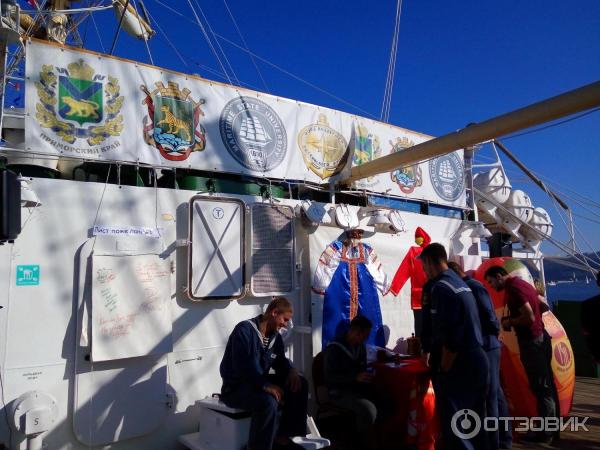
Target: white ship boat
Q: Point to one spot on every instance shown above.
(123, 272)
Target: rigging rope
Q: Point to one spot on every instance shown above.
(208, 40)
(19, 55)
(281, 69)
(550, 239)
(185, 63)
(98, 34)
(296, 77)
(114, 43)
(583, 200)
(235, 24)
(545, 127)
(145, 34)
(574, 241)
(550, 181)
(237, 81)
(68, 11)
(389, 83)
(560, 212)
(167, 38)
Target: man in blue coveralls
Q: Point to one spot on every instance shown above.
(462, 380)
(348, 380)
(496, 405)
(254, 347)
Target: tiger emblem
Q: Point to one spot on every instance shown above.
(175, 124)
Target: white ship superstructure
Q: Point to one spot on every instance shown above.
(130, 266)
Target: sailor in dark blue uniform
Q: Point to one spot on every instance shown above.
(462, 380)
(490, 329)
(253, 348)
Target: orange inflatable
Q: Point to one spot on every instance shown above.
(512, 374)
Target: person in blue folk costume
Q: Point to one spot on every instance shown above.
(348, 275)
(253, 349)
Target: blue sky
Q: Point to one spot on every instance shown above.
(458, 62)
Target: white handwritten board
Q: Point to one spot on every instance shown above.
(130, 306)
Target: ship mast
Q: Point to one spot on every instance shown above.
(571, 102)
(56, 21)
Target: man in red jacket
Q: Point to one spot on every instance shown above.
(411, 267)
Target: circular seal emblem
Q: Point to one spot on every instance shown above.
(253, 133)
(447, 176)
(562, 355)
(322, 147)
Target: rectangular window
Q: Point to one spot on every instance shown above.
(395, 203)
(445, 211)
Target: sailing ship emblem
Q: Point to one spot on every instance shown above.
(253, 133)
(322, 147)
(366, 148)
(172, 125)
(410, 177)
(447, 176)
(78, 96)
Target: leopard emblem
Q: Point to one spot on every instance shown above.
(82, 108)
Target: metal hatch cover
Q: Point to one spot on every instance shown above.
(216, 252)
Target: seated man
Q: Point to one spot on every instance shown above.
(347, 379)
(253, 348)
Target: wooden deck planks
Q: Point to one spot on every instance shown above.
(586, 403)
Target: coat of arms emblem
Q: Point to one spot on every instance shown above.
(367, 147)
(409, 177)
(323, 148)
(173, 122)
(76, 103)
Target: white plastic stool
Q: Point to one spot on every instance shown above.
(222, 427)
(225, 428)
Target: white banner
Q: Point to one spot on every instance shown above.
(92, 106)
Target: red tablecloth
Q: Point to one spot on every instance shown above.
(408, 387)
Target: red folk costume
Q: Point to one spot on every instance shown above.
(412, 268)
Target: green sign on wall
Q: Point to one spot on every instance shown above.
(28, 275)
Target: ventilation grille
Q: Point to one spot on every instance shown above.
(272, 249)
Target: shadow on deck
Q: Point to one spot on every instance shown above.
(586, 403)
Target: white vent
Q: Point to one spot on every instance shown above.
(272, 250)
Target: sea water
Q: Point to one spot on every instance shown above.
(576, 292)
